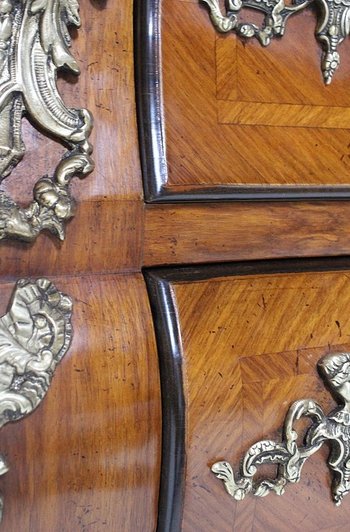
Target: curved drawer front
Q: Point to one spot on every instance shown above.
(239, 344)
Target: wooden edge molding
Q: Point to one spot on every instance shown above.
(148, 84)
(151, 130)
(168, 275)
(168, 335)
(172, 477)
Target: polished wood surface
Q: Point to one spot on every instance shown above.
(243, 231)
(236, 113)
(104, 236)
(250, 346)
(107, 223)
(88, 458)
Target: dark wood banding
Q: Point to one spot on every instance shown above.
(173, 403)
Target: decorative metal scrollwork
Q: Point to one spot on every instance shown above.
(34, 45)
(35, 334)
(334, 428)
(333, 25)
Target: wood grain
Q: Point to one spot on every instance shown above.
(250, 347)
(103, 47)
(287, 71)
(283, 115)
(243, 231)
(105, 234)
(266, 146)
(88, 458)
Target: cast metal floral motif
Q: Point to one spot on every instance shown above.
(34, 45)
(35, 334)
(333, 24)
(334, 429)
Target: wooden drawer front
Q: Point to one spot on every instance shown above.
(221, 118)
(238, 345)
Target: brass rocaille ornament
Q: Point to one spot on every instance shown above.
(35, 334)
(34, 45)
(333, 24)
(290, 458)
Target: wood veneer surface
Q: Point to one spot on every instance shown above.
(250, 348)
(176, 234)
(88, 457)
(240, 114)
(99, 235)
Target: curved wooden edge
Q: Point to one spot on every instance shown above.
(148, 85)
(151, 130)
(172, 477)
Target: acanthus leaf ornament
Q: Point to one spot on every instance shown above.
(34, 45)
(35, 334)
(333, 428)
(333, 24)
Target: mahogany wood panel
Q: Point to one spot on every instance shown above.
(246, 347)
(183, 234)
(88, 458)
(223, 119)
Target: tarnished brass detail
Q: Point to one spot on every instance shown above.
(333, 24)
(34, 45)
(35, 334)
(334, 428)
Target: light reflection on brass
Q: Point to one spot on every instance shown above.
(34, 45)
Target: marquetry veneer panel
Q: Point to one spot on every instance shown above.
(219, 95)
(250, 346)
(239, 120)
